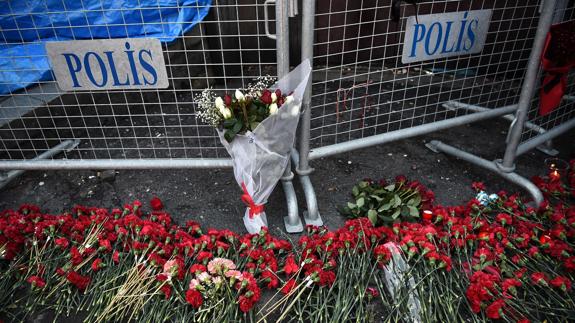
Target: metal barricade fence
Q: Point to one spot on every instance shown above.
(226, 50)
(363, 95)
(43, 127)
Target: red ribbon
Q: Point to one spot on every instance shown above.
(255, 209)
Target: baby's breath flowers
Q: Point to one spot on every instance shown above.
(243, 111)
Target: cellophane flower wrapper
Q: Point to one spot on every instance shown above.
(395, 274)
(260, 157)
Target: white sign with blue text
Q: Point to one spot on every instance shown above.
(445, 34)
(108, 64)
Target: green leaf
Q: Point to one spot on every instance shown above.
(355, 191)
(360, 202)
(372, 216)
(390, 187)
(386, 218)
(414, 200)
(237, 126)
(396, 201)
(377, 198)
(351, 205)
(413, 211)
(396, 214)
(229, 123)
(404, 211)
(384, 207)
(229, 135)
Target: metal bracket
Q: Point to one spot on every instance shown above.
(266, 19)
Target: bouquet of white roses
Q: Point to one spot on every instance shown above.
(257, 127)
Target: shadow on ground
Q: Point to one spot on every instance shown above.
(212, 197)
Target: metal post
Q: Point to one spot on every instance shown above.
(508, 164)
(292, 221)
(306, 53)
(311, 215)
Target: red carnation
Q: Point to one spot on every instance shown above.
(326, 278)
(494, 310)
(478, 186)
(62, 243)
(290, 266)
(510, 284)
(288, 287)
(194, 298)
(116, 256)
(197, 268)
(561, 282)
(246, 303)
(81, 282)
(97, 264)
(36, 281)
(167, 290)
(382, 254)
(75, 256)
(156, 204)
(503, 218)
(539, 278)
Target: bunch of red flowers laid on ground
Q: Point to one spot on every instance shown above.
(500, 260)
(124, 264)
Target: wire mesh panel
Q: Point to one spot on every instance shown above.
(225, 48)
(361, 88)
(564, 13)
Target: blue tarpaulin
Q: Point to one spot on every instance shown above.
(26, 25)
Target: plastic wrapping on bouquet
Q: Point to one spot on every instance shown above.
(395, 274)
(260, 157)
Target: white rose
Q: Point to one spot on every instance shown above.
(239, 95)
(274, 97)
(289, 99)
(227, 113)
(273, 108)
(219, 102)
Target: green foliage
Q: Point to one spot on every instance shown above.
(384, 204)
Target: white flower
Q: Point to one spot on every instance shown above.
(274, 97)
(289, 99)
(273, 108)
(227, 113)
(239, 95)
(219, 102)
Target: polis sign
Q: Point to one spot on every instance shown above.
(444, 35)
(105, 64)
